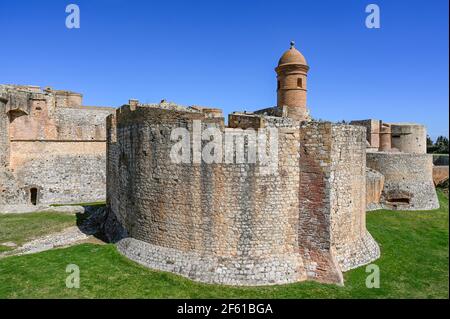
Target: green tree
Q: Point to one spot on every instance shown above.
(430, 145)
(441, 145)
(429, 141)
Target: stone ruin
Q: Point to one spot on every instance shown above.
(225, 222)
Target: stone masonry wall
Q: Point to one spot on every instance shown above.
(314, 235)
(374, 188)
(240, 222)
(409, 137)
(408, 181)
(332, 231)
(63, 172)
(232, 223)
(351, 242)
(4, 135)
(10, 192)
(53, 148)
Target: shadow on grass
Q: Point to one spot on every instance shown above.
(91, 221)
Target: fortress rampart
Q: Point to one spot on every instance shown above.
(400, 173)
(233, 223)
(408, 181)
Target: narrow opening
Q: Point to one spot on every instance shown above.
(33, 195)
(278, 85)
(399, 200)
(300, 82)
(38, 108)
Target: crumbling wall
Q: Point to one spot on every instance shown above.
(408, 183)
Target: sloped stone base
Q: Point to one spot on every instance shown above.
(274, 269)
(357, 253)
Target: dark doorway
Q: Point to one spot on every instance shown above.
(33, 195)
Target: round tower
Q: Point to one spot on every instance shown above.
(291, 71)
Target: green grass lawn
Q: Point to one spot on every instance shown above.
(413, 264)
(20, 228)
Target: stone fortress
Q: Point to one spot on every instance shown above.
(52, 149)
(232, 223)
(399, 170)
(226, 222)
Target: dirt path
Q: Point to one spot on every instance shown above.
(66, 237)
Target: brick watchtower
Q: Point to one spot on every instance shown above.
(291, 83)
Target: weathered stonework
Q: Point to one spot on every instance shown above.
(374, 188)
(237, 222)
(440, 174)
(408, 181)
(233, 223)
(409, 137)
(52, 148)
(227, 222)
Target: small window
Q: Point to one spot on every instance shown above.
(300, 82)
(278, 85)
(33, 195)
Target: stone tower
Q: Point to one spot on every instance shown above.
(291, 83)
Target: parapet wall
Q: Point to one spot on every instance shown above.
(408, 181)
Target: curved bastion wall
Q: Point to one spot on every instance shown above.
(223, 223)
(408, 180)
(409, 137)
(235, 223)
(351, 242)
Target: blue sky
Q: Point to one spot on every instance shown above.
(222, 53)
